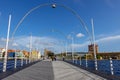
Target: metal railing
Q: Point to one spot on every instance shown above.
(109, 69)
(14, 63)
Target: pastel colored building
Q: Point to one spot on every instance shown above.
(2, 50)
(35, 55)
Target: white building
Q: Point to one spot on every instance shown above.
(2, 50)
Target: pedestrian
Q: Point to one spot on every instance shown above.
(55, 58)
(52, 58)
(63, 58)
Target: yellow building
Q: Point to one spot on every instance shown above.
(35, 55)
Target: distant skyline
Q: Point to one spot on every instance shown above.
(51, 27)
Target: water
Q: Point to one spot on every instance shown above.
(10, 64)
(103, 66)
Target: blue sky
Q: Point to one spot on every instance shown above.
(42, 21)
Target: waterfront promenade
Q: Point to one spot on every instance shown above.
(53, 70)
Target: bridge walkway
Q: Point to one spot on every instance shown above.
(53, 70)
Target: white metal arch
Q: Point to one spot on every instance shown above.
(49, 4)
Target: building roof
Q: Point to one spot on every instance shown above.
(109, 53)
(77, 52)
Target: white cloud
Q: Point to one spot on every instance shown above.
(22, 42)
(110, 38)
(105, 44)
(14, 44)
(3, 39)
(79, 35)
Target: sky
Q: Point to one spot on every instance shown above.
(54, 28)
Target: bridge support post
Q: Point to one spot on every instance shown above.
(111, 66)
(15, 63)
(26, 60)
(80, 60)
(86, 61)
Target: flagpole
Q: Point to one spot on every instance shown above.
(5, 57)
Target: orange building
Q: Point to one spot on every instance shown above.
(102, 55)
(26, 53)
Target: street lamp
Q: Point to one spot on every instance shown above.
(53, 5)
(72, 39)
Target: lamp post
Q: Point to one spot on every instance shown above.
(21, 58)
(15, 63)
(96, 67)
(80, 61)
(72, 45)
(5, 57)
(15, 57)
(72, 49)
(30, 55)
(66, 49)
(86, 61)
(26, 60)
